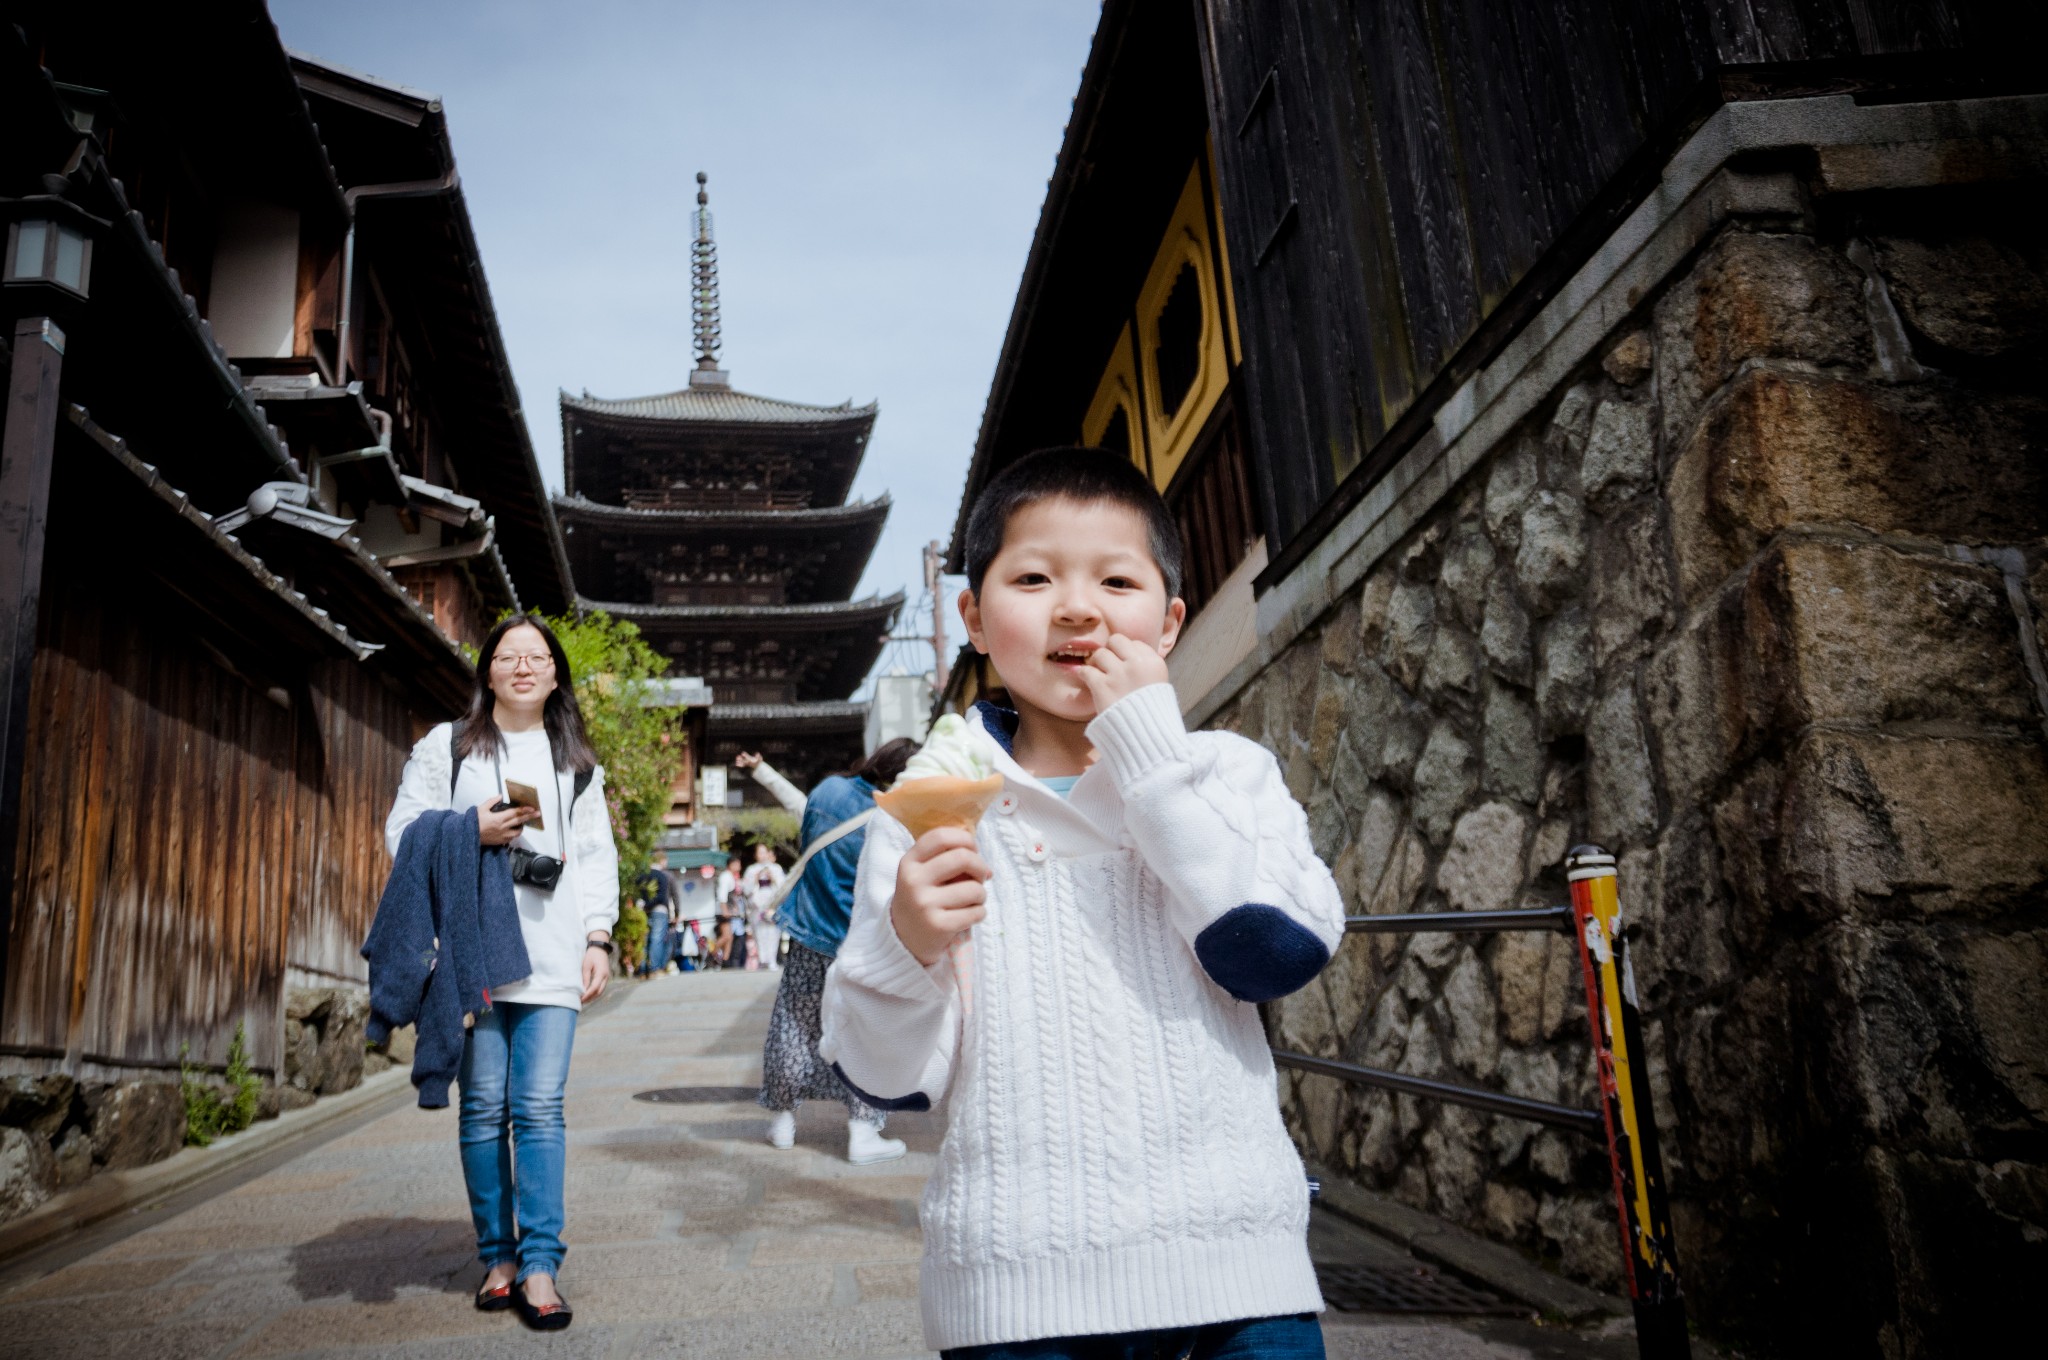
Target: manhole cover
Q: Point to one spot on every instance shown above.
(698, 1095)
(1410, 1289)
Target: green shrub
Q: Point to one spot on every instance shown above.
(207, 1115)
(630, 935)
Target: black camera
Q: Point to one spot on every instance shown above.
(535, 871)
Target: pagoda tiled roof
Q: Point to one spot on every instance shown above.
(721, 406)
(758, 617)
(821, 712)
(802, 520)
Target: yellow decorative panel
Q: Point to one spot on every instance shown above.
(1113, 421)
(1181, 358)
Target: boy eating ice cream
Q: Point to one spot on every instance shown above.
(1077, 973)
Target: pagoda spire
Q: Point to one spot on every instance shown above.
(704, 294)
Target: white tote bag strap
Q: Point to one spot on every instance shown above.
(844, 829)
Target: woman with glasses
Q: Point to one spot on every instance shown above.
(523, 728)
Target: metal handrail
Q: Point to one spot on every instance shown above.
(1584, 1122)
(1464, 922)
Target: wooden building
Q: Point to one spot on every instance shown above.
(266, 471)
(1557, 401)
(717, 522)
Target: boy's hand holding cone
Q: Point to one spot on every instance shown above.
(940, 799)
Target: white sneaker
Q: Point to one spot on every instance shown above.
(865, 1144)
(782, 1129)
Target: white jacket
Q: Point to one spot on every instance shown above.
(553, 924)
(1114, 1158)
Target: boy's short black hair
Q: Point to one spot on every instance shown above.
(1080, 474)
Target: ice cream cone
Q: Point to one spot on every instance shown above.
(940, 800)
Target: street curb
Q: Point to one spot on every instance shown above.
(115, 1192)
(112, 1192)
(1501, 1268)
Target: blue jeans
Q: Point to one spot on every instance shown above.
(1274, 1338)
(657, 941)
(515, 1063)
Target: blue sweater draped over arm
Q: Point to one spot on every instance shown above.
(446, 932)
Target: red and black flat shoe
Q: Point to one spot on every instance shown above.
(494, 1300)
(543, 1317)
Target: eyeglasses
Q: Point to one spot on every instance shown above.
(510, 661)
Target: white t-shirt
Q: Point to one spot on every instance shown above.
(553, 924)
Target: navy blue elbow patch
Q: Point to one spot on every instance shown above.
(916, 1100)
(1259, 953)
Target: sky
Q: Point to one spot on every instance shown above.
(876, 171)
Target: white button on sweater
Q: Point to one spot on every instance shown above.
(1114, 1158)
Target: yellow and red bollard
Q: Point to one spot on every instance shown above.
(1639, 1191)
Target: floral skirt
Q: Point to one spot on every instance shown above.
(791, 1070)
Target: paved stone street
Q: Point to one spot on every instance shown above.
(689, 1235)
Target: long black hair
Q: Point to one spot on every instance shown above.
(476, 732)
(881, 767)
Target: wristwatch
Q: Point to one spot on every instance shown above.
(605, 945)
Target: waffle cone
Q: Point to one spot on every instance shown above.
(940, 800)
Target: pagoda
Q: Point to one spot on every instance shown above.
(717, 521)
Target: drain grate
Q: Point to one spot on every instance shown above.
(1409, 1289)
(698, 1095)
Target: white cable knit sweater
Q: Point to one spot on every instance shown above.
(1114, 1158)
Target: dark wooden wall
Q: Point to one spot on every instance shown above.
(187, 833)
(364, 735)
(1405, 181)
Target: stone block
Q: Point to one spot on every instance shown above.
(1333, 710)
(1510, 486)
(1468, 563)
(1327, 829)
(38, 1103)
(1482, 869)
(1445, 779)
(135, 1123)
(2005, 980)
(1392, 758)
(1947, 825)
(1540, 988)
(1511, 759)
(1349, 779)
(1508, 1212)
(1450, 1151)
(72, 1157)
(1411, 624)
(1573, 419)
(1862, 633)
(1552, 553)
(1628, 361)
(1621, 454)
(1374, 599)
(1580, 1232)
(1348, 982)
(1755, 296)
(28, 1172)
(1475, 1019)
(1504, 632)
(1564, 675)
(1784, 450)
(1691, 708)
(1971, 293)
(1340, 636)
(1621, 794)
(1452, 671)
(1301, 667)
(1407, 869)
(1634, 591)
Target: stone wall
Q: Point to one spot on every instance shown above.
(55, 1130)
(1756, 602)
